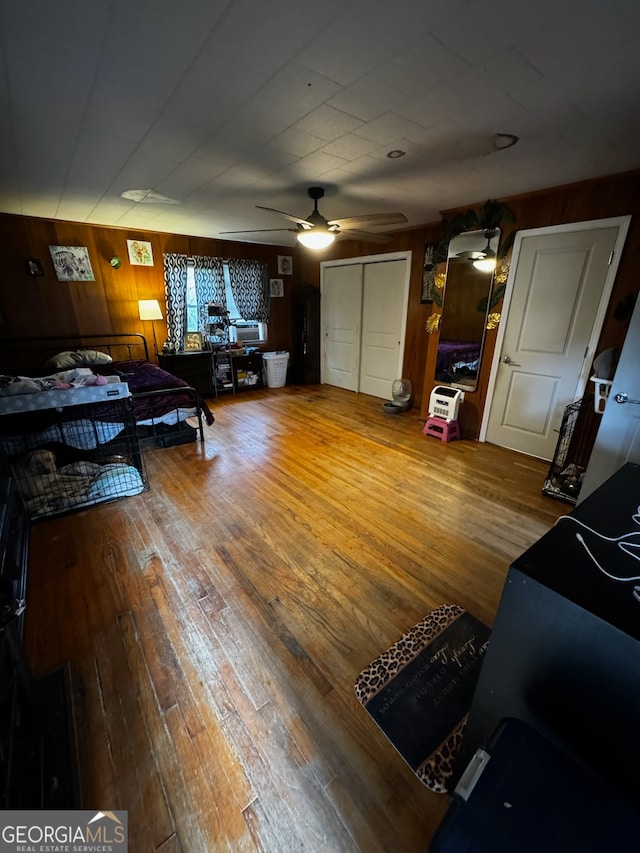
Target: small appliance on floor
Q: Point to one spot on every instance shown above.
(401, 391)
(444, 404)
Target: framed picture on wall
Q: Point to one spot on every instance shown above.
(34, 267)
(276, 287)
(428, 274)
(140, 253)
(72, 263)
(193, 342)
(285, 265)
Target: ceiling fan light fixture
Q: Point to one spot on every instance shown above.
(488, 259)
(316, 238)
(485, 264)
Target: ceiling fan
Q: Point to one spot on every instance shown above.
(316, 232)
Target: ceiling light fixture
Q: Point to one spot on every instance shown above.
(316, 238)
(148, 197)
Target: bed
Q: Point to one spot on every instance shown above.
(167, 409)
(457, 360)
(74, 414)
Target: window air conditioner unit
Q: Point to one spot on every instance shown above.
(248, 332)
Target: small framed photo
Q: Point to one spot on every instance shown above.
(285, 265)
(34, 267)
(276, 287)
(140, 253)
(193, 342)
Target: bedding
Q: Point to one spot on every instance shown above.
(163, 405)
(82, 484)
(158, 396)
(456, 359)
(75, 358)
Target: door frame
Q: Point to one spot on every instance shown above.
(370, 259)
(622, 223)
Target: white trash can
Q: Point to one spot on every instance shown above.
(276, 364)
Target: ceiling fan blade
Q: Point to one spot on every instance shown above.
(259, 230)
(368, 236)
(288, 215)
(370, 219)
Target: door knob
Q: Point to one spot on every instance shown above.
(506, 359)
(624, 398)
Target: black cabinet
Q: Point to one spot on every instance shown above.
(196, 368)
(564, 653)
(305, 349)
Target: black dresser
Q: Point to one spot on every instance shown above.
(564, 653)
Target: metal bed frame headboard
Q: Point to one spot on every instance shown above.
(24, 355)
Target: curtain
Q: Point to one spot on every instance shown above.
(175, 290)
(250, 287)
(208, 274)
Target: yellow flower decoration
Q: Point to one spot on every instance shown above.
(433, 323)
(440, 279)
(493, 320)
(501, 274)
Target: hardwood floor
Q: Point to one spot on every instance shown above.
(216, 623)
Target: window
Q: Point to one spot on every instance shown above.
(243, 329)
(192, 302)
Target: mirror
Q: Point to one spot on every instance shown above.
(465, 307)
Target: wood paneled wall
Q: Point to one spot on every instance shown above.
(32, 306)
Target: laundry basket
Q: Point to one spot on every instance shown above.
(276, 364)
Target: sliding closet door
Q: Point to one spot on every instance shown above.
(383, 324)
(341, 312)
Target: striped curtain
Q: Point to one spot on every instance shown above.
(209, 279)
(175, 290)
(250, 287)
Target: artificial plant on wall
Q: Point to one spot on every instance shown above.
(490, 216)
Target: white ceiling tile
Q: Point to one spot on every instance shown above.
(367, 98)
(76, 210)
(350, 147)
(387, 127)
(421, 67)
(327, 122)
(36, 205)
(318, 163)
(296, 142)
(474, 36)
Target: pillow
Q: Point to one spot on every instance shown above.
(74, 358)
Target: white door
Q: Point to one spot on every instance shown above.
(557, 294)
(383, 321)
(341, 311)
(363, 321)
(618, 439)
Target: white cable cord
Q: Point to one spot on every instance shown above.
(621, 541)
